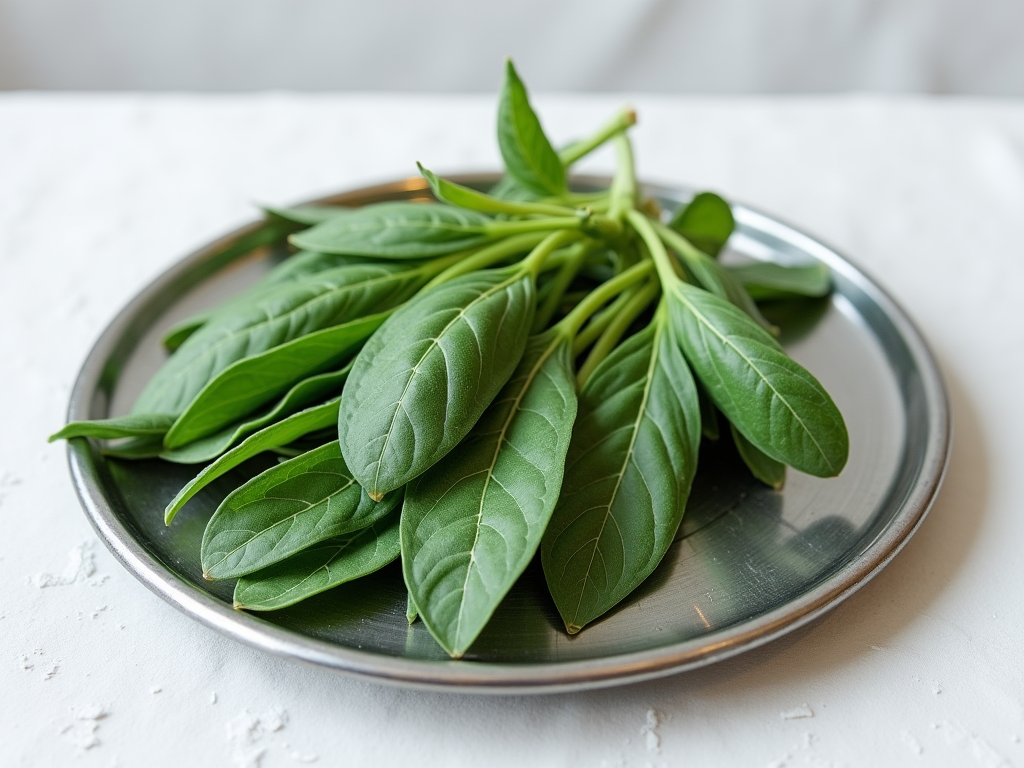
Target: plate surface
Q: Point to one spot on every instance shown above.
(748, 564)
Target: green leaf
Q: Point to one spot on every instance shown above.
(707, 222)
(306, 215)
(529, 157)
(420, 383)
(472, 522)
(397, 230)
(294, 505)
(715, 278)
(177, 333)
(244, 386)
(282, 433)
(287, 312)
(464, 197)
(306, 392)
(763, 467)
(132, 425)
(411, 612)
(510, 189)
(320, 567)
(631, 462)
(767, 280)
(773, 401)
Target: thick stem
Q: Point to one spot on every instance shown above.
(559, 284)
(601, 320)
(637, 303)
(486, 256)
(570, 325)
(620, 122)
(624, 187)
(644, 227)
(535, 261)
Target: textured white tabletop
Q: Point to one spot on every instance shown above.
(99, 194)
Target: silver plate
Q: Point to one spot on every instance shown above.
(749, 564)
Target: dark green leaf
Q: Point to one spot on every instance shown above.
(397, 230)
(287, 312)
(766, 280)
(763, 467)
(294, 505)
(628, 473)
(283, 432)
(472, 522)
(306, 392)
(422, 381)
(132, 425)
(528, 155)
(320, 567)
(706, 221)
(772, 400)
(248, 384)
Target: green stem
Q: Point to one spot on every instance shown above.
(678, 243)
(637, 303)
(547, 224)
(560, 283)
(620, 122)
(535, 261)
(570, 324)
(601, 320)
(624, 188)
(645, 228)
(485, 257)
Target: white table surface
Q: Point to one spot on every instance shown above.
(924, 666)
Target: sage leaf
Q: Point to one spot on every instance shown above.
(628, 473)
(528, 155)
(283, 432)
(472, 522)
(767, 280)
(320, 567)
(308, 391)
(706, 221)
(397, 230)
(763, 467)
(772, 400)
(421, 382)
(131, 425)
(276, 317)
(294, 505)
(248, 384)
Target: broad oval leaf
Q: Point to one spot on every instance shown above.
(421, 382)
(294, 505)
(771, 399)
(472, 522)
(397, 230)
(131, 425)
(286, 431)
(627, 478)
(706, 221)
(320, 567)
(248, 384)
(528, 155)
(273, 318)
(308, 391)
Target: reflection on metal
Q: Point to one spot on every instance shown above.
(772, 560)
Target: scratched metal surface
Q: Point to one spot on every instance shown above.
(748, 564)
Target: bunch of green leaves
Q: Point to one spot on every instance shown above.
(465, 382)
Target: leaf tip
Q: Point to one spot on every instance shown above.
(207, 576)
(572, 629)
(375, 495)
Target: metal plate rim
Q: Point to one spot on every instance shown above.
(483, 677)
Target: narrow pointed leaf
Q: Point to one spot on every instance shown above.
(294, 505)
(411, 612)
(707, 222)
(283, 432)
(766, 280)
(471, 199)
(320, 567)
(287, 312)
(777, 404)
(306, 215)
(131, 425)
(472, 522)
(307, 392)
(397, 230)
(250, 383)
(628, 474)
(529, 157)
(763, 467)
(422, 381)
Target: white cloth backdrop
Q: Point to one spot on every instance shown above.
(667, 46)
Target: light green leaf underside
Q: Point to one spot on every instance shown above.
(472, 523)
(320, 567)
(294, 505)
(423, 380)
(628, 474)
